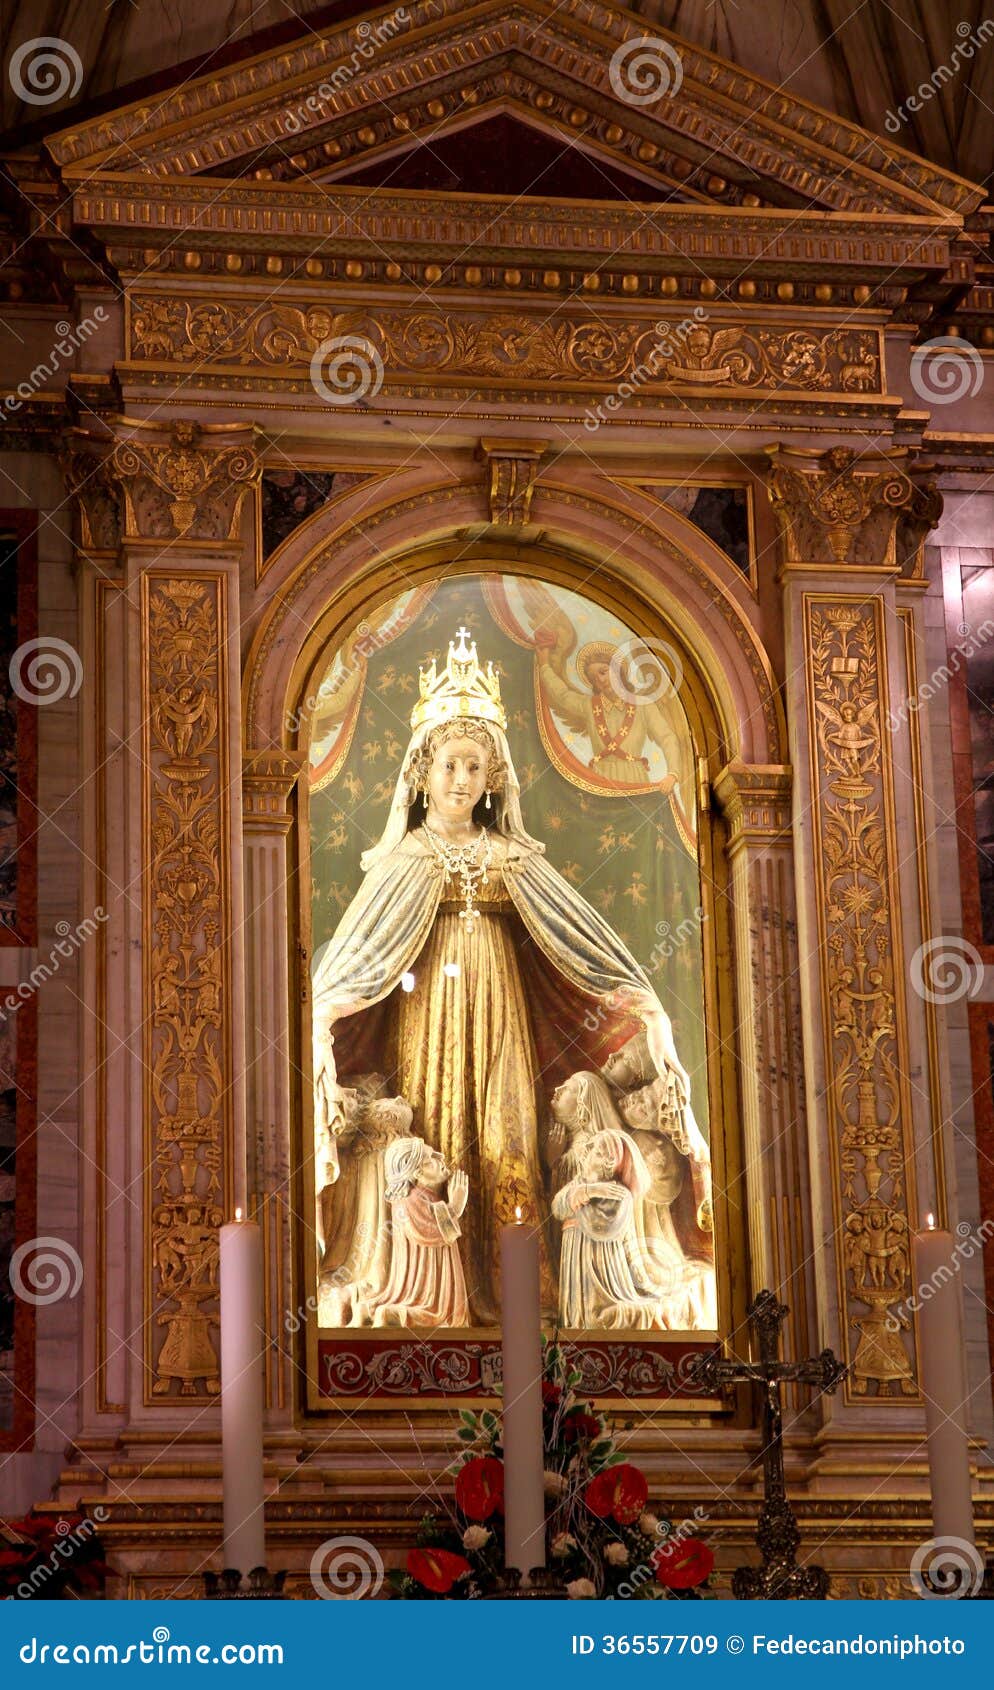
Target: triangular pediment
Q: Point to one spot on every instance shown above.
(502, 152)
(581, 86)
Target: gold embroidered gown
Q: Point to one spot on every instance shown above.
(466, 1062)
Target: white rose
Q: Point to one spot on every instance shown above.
(562, 1545)
(649, 1524)
(616, 1554)
(580, 1590)
(474, 1537)
(553, 1483)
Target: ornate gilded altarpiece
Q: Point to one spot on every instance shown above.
(548, 384)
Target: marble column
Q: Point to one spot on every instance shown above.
(756, 803)
(268, 780)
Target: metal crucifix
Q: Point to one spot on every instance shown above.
(776, 1533)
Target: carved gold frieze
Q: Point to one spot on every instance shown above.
(187, 922)
(865, 1033)
(507, 346)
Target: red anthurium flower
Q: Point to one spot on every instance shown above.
(436, 1569)
(682, 1564)
(33, 1527)
(480, 1487)
(619, 1492)
(579, 1424)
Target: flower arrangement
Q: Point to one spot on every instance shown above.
(601, 1535)
(48, 1557)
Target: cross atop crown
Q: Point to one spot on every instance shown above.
(464, 688)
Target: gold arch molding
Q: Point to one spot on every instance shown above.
(460, 556)
(619, 559)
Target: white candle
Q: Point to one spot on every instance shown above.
(943, 1379)
(242, 1394)
(524, 1455)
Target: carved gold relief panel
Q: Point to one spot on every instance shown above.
(187, 976)
(507, 345)
(869, 1114)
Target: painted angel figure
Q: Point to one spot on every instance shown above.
(437, 962)
(617, 727)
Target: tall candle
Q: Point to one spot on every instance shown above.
(241, 1394)
(943, 1380)
(524, 1455)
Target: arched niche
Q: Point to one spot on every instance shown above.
(623, 556)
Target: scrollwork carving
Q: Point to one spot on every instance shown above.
(836, 507)
(135, 480)
(864, 1030)
(187, 918)
(510, 346)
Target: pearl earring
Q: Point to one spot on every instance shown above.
(488, 800)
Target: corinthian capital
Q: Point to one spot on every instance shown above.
(174, 481)
(839, 508)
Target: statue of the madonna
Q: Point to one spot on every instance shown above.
(468, 963)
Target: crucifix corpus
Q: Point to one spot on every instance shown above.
(776, 1534)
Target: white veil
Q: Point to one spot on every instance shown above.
(507, 804)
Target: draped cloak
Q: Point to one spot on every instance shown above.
(386, 929)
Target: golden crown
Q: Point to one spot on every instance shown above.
(464, 688)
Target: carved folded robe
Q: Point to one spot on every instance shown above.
(388, 921)
(464, 1042)
(426, 1286)
(604, 1281)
